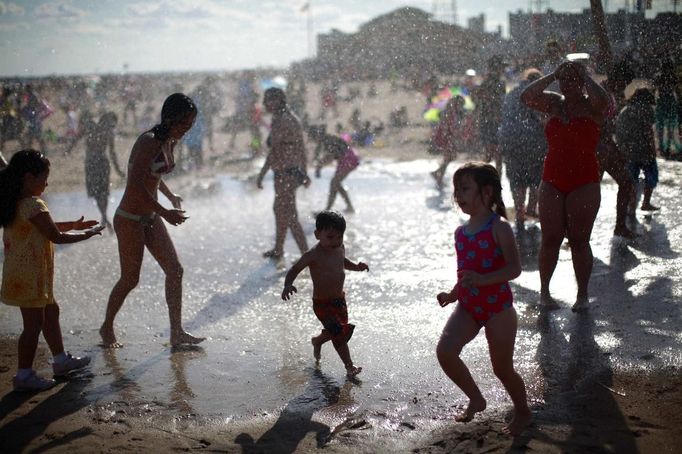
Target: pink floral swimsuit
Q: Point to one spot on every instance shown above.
(480, 253)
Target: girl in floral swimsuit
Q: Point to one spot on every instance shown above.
(487, 258)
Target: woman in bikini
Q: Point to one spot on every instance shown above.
(569, 195)
(138, 221)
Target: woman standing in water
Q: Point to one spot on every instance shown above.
(138, 221)
(287, 159)
(569, 195)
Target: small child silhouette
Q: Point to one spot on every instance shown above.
(327, 263)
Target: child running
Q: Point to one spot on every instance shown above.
(487, 258)
(28, 270)
(331, 148)
(327, 262)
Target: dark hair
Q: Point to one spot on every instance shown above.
(484, 175)
(330, 220)
(275, 93)
(11, 181)
(573, 66)
(643, 96)
(174, 109)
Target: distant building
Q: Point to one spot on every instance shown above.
(530, 31)
(404, 40)
(477, 23)
(408, 41)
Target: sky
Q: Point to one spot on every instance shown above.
(41, 37)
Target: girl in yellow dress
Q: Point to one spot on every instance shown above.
(28, 270)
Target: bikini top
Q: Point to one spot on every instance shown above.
(163, 163)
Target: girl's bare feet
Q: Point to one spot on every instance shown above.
(518, 423)
(185, 338)
(352, 371)
(475, 406)
(109, 338)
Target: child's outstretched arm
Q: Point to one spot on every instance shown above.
(504, 237)
(79, 224)
(46, 226)
(293, 272)
(350, 266)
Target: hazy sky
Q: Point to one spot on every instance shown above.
(39, 37)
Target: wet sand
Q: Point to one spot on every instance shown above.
(634, 413)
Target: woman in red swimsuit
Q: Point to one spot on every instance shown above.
(569, 194)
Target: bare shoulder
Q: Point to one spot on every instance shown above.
(147, 141)
(145, 145)
(309, 256)
(502, 229)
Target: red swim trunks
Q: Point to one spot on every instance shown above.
(333, 314)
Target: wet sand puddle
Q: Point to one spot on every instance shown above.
(256, 368)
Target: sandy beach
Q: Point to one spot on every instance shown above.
(607, 408)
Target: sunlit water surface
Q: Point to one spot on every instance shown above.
(258, 361)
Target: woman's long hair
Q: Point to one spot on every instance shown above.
(174, 109)
(12, 178)
(484, 175)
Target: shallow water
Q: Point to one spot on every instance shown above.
(257, 361)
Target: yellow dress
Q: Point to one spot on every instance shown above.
(28, 270)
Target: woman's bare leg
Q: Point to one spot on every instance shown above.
(582, 206)
(295, 226)
(130, 235)
(162, 249)
(551, 207)
(285, 199)
(286, 214)
(280, 209)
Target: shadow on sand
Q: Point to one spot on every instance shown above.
(296, 419)
(18, 434)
